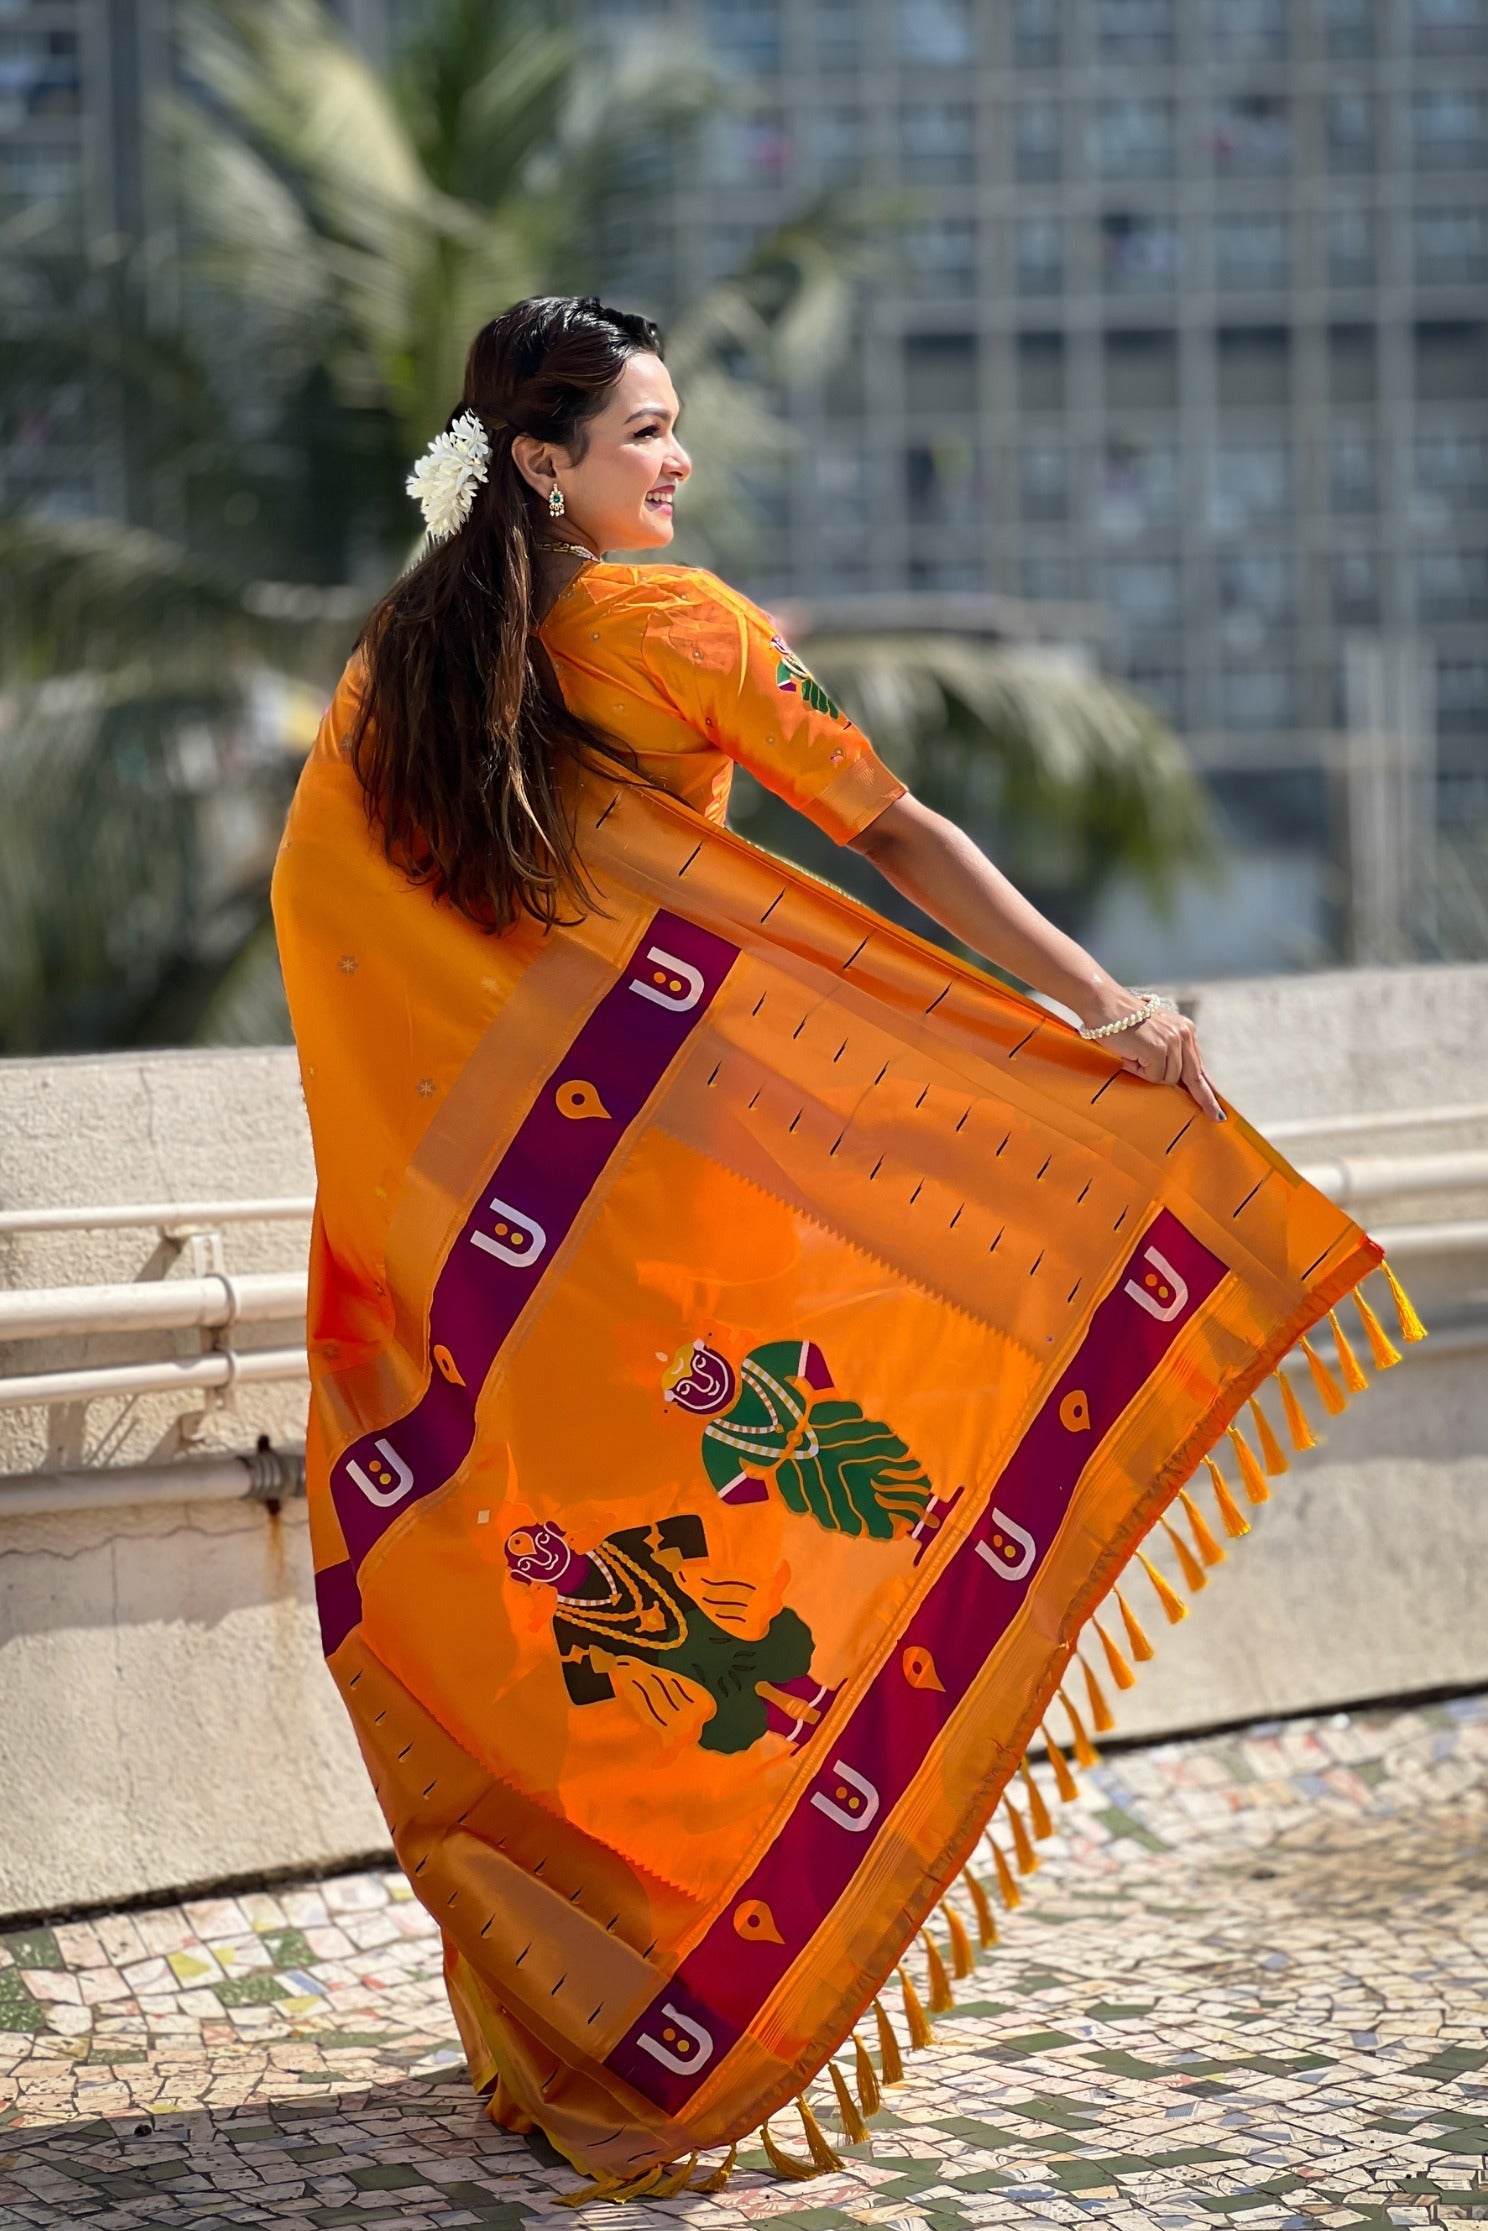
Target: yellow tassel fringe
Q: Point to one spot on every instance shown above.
(1167, 1595)
(1086, 1754)
(1273, 1455)
(1023, 1849)
(1411, 1327)
(1012, 1896)
(963, 1959)
(789, 2166)
(1301, 1432)
(1231, 1517)
(1038, 1811)
(854, 2129)
(1381, 1346)
(890, 2065)
(1193, 1572)
(1064, 1780)
(1136, 1640)
(1349, 1364)
(1100, 1711)
(916, 2020)
(1331, 1394)
(1251, 1475)
(1120, 1672)
(1208, 1548)
(986, 1920)
(870, 2099)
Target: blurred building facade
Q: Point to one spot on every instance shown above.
(1189, 316)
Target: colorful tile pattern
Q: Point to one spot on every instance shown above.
(1249, 1986)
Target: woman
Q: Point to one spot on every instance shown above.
(746, 1345)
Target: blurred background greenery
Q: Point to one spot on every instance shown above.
(245, 243)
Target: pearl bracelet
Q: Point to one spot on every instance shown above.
(1151, 1005)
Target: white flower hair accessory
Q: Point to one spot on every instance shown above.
(444, 481)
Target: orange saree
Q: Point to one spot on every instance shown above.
(748, 1348)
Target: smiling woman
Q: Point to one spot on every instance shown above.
(746, 1344)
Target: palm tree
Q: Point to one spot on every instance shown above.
(343, 234)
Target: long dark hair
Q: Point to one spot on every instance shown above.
(466, 753)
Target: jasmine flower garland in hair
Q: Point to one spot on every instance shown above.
(444, 481)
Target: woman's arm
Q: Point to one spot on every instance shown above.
(937, 866)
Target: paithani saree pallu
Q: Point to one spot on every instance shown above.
(748, 1350)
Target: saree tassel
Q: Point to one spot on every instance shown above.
(1301, 1432)
(870, 2099)
(1204, 1542)
(717, 2179)
(1381, 1346)
(1231, 1517)
(1038, 1811)
(1250, 1469)
(1348, 1362)
(890, 2064)
(1411, 1327)
(1194, 1575)
(1116, 1665)
(1330, 1393)
(823, 2156)
(963, 1959)
(1023, 1850)
(1273, 1455)
(986, 1921)
(1174, 1608)
(1012, 1896)
(678, 2181)
(1095, 1697)
(1064, 1780)
(789, 2166)
(916, 2019)
(1136, 1639)
(854, 2129)
(628, 2188)
(942, 1997)
(603, 2187)
(1086, 1754)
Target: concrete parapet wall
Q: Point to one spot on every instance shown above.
(164, 1715)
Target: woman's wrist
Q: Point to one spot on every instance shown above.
(1104, 1001)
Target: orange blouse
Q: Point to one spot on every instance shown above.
(693, 677)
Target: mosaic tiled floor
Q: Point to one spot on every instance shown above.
(1249, 1985)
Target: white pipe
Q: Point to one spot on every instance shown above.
(158, 1215)
(1291, 1128)
(221, 1367)
(1382, 1177)
(1467, 1238)
(263, 1474)
(161, 1304)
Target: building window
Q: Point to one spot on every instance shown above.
(747, 31)
(1139, 486)
(1145, 593)
(1036, 140)
(1251, 249)
(1043, 480)
(1250, 135)
(1351, 364)
(943, 484)
(941, 256)
(1035, 34)
(34, 171)
(1451, 470)
(1247, 30)
(937, 142)
(1354, 576)
(1133, 138)
(1255, 697)
(940, 371)
(1348, 29)
(1140, 254)
(835, 144)
(1452, 584)
(1254, 367)
(1041, 371)
(1135, 30)
(1350, 247)
(1461, 695)
(1350, 126)
(841, 485)
(1251, 480)
(839, 34)
(936, 31)
(1141, 371)
(1449, 126)
(1038, 247)
(1161, 686)
(1452, 361)
(1451, 244)
(1351, 472)
(1258, 584)
(1449, 26)
(746, 150)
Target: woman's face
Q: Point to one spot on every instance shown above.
(618, 494)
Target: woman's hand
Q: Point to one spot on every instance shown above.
(1165, 1050)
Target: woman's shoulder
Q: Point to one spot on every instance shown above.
(659, 588)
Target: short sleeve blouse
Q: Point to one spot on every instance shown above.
(696, 679)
